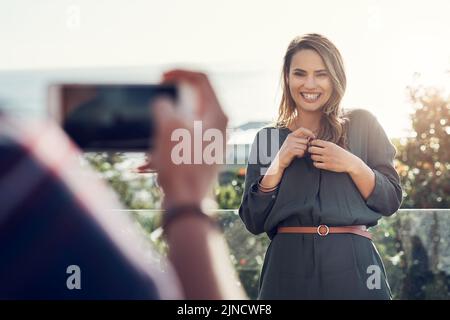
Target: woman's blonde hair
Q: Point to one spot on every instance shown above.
(333, 126)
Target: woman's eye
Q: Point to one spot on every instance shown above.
(322, 75)
(299, 74)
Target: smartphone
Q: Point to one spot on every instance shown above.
(108, 117)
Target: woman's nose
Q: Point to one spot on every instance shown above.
(310, 82)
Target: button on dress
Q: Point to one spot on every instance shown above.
(310, 266)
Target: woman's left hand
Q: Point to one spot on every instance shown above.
(329, 156)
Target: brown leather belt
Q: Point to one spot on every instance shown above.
(324, 230)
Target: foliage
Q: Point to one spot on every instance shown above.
(424, 159)
(136, 191)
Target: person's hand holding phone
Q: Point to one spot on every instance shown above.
(185, 183)
(197, 250)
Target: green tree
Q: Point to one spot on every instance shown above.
(424, 167)
(425, 158)
(135, 191)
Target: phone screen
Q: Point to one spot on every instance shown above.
(109, 117)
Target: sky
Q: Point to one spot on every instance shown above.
(240, 43)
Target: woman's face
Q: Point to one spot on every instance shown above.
(309, 82)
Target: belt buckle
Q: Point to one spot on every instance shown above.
(327, 230)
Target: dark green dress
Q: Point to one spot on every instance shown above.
(309, 266)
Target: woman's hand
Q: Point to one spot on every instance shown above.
(295, 145)
(329, 156)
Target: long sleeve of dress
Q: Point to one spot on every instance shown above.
(255, 205)
(386, 198)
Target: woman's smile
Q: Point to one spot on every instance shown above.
(310, 97)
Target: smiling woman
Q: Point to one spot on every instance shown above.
(331, 179)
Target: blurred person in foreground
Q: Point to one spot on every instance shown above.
(56, 219)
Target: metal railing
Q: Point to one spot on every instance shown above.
(414, 245)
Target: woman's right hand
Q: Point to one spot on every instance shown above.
(295, 145)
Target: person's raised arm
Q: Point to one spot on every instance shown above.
(197, 249)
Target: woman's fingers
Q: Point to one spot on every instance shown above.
(316, 150)
(318, 158)
(298, 150)
(298, 140)
(304, 132)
